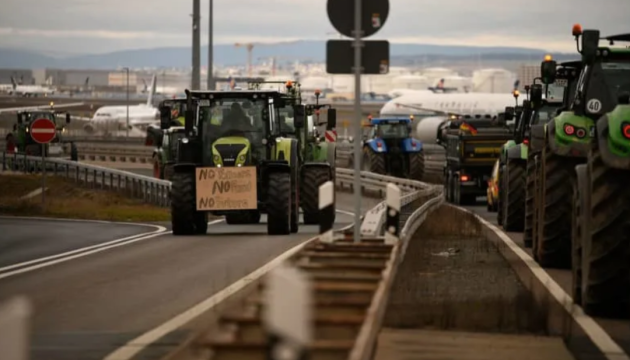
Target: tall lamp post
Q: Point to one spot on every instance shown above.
(127, 97)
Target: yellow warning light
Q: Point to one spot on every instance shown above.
(52, 104)
(577, 30)
(548, 57)
(411, 117)
(516, 93)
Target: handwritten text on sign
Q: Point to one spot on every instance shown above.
(228, 188)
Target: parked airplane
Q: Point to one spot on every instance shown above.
(439, 88)
(108, 118)
(29, 90)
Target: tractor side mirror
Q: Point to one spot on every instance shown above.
(19, 118)
(165, 117)
(67, 118)
(14, 127)
(332, 119)
(548, 71)
(536, 95)
(590, 42)
(299, 118)
(509, 113)
(189, 118)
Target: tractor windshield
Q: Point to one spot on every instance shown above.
(286, 120)
(233, 117)
(392, 131)
(617, 77)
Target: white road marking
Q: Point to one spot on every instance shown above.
(133, 347)
(78, 253)
(344, 212)
(600, 338)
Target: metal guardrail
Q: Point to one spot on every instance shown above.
(350, 285)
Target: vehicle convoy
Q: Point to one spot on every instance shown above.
(165, 140)
(389, 149)
(316, 156)
(241, 167)
(565, 143)
(514, 215)
(472, 147)
(601, 195)
(24, 143)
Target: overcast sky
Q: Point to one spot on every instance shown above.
(94, 26)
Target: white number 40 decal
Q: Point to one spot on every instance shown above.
(594, 106)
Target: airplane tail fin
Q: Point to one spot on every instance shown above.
(153, 87)
(87, 82)
(13, 82)
(516, 84)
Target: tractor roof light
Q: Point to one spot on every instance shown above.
(577, 30)
(411, 117)
(318, 93)
(548, 58)
(516, 93)
(625, 130)
(289, 84)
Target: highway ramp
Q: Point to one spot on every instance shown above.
(615, 330)
(24, 239)
(89, 306)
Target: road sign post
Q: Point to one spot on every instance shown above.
(357, 19)
(43, 131)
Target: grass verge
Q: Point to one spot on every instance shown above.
(65, 199)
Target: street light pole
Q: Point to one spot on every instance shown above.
(210, 80)
(127, 96)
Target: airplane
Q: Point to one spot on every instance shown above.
(439, 88)
(29, 90)
(140, 116)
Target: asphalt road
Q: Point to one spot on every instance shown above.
(618, 330)
(87, 307)
(23, 240)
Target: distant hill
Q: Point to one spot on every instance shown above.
(228, 55)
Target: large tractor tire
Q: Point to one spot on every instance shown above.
(168, 172)
(295, 199)
(529, 201)
(373, 162)
(416, 166)
(279, 204)
(245, 217)
(554, 243)
(313, 178)
(537, 200)
(448, 196)
(514, 196)
(74, 152)
(605, 263)
(579, 229)
(185, 219)
(501, 196)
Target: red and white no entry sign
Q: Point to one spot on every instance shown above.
(331, 136)
(43, 131)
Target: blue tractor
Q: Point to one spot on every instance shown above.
(389, 149)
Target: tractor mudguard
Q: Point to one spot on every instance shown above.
(537, 138)
(372, 145)
(509, 144)
(516, 152)
(411, 145)
(613, 146)
(184, 168)
(285, 148)
(312, 164)
(569, 145)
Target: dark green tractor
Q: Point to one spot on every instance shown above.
(164, 155)
(25, 144)
(601, 195)
(234, 162)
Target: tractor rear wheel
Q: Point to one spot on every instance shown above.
(185, 219)
(416, 166)
(554, 244)
(279, 204)
(605, 265)
(374, 162)
(313, 178)
(529, 201)
(501, 196)
(513, 201)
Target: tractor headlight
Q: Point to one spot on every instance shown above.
(185, 141)
(242, 158)
(216, 159)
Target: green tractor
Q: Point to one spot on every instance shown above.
(165, 139)
(560, 145)
(25, 144)
(317, 157)
(601, 194)
(516, 190)
(241, 167)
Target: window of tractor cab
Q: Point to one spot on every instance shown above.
(233, 117)
(617, 76)
(286, 120)
(392, 131)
